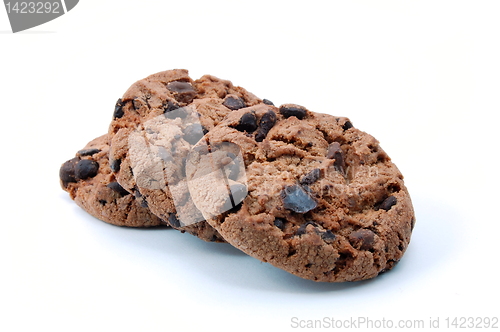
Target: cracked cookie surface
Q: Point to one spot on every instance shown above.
(91, 184)
(324, 201)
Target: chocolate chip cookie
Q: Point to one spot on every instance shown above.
(320, 198)
(154, 126)
(91, 184)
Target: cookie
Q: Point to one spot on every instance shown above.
(320, 198)
(154, 126)
(91, 184)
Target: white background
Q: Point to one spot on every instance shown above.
(423, 77)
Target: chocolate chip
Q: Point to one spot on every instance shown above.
(67, 171)
(347, 125)
(335, 152)
(333, 149)
(173, 221)
(118, 113)
(302, 229)
(193, 133)
(328, 236)
(180, 87)
(85, 169)
(234, 103)
(267, 102)
(311, 177)
(115, 186)
(297, 200)
(139, 198)
(103, 202)
(293, 110)
(184, 91)
(88, 152)
(248, 123)
(115, 165)
(362, 239)
(388, 203)
(280, 223)
(267, 121)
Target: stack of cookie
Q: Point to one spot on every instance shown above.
(307, 192)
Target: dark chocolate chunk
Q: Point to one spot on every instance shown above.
(118, 113)
(184, 91)
(180, 87)
(173, 221)
(67, 171)
(362, 239)
(335, 152)
(328, 235)
(388, 203)
(143, 202)
(302, 229)
(267, 121)
(347, 125)
(293, 110)
(234, 103)
(85, 169)
(103, 202)
(311, 177)
(280, 223)
(88, 152)
(248, 123)
(297, 200)
(115, 186)
(193, 133)
(267, 102)
(139, 198)
(115, 165)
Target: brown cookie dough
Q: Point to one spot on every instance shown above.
(323, 200)
(154, 126)
(91, 184)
